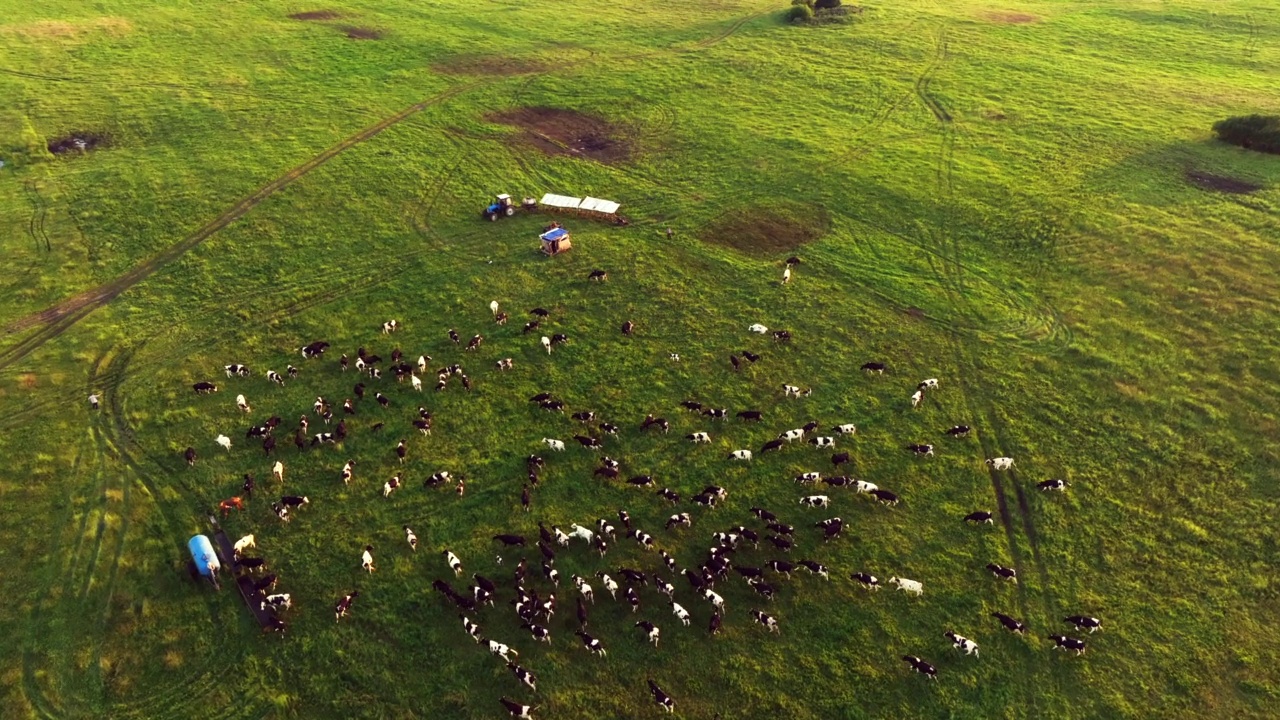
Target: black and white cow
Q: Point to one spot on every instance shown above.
(959, 431)
(979, 516)
(344, 604)
(203, 388)
(1063, 642)
(921, 450)
(516, 710)
(816, 568)
(523, 676)
(874, 367)
(1047, 485)
(1083, 622)
(591, 644)
(962, 643)
(1003, 573)
(769, 622)
(921, 667)
(236, 369)
(823, 442)
(867, 580)
(661, 697)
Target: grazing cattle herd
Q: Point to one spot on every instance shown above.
(645, 588)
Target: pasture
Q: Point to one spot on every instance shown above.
(1022, 200)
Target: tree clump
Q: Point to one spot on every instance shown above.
(1251, 132)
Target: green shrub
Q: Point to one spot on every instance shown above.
(800, 13)
(1252, 132)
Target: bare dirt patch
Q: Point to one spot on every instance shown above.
(767, 231)
(27, 381)
(77, 142)
(1221, 183)
(316, 15)
(557, 131)
(488, 65)
(1010, 18)
(361, 33)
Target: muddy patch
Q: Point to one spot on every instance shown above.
(1010, 18)
(27, 381)
(80, 142)
(557, 131)
(767, 231)
(316, 15)
(1221, 183)
(361, 33)
(488, 65)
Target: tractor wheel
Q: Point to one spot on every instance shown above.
(493, 217)
(511, 211)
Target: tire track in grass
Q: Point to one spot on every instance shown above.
(39, 214)
(950, 275)
(56, 319)
(121, 438)
(63, 581)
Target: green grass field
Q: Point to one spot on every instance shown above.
(1018, 199)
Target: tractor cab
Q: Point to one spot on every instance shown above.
(500, 207)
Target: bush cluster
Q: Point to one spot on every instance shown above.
(1252, 132)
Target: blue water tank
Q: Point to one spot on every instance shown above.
(202, 554)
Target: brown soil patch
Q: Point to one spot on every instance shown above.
(767, 231)
(77, 142)
(27, 381)
(312, 15)
(556, 131)
(361, 33)
(1220, 183)
(1010, 18)
(915, 312)
(488, 65)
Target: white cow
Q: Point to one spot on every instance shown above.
(929, 384)
(681, 613)
(786, 275)
(366, 559)
(916, 397)
(791, 390)
(1000, 463)
(422, 363)
(389, 327)
(493, 307)
(714, 599)
(243, 404)
(454, 563)
(914, 587)
(224, 441)
(277, 471)
(758, 328)
(557, 445)
(546, 343)
(417, 383)
(846, 429)
(580, 532)
(700, 437)
(864, 487)
(243, 544)
(609, 584)
(740, 455)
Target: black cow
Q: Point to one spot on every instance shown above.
(959, 431)
(874, 367)
(979, 516)
(1010, 623)
(1063, 642)
(751, 415)
(202, 388)
(314, 350)
(510, 540)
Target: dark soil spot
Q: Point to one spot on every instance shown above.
(1010, 18)
(488, 65)
(360, 33)
(915, 312)
(1209, 181)
(77, 142)
(994, 115)
(316, 15)
(556, 131)
(767, 231)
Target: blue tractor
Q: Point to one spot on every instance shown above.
(501, 207)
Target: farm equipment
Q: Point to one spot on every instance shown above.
(501, 207)
(555, 239)
(204, 561)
